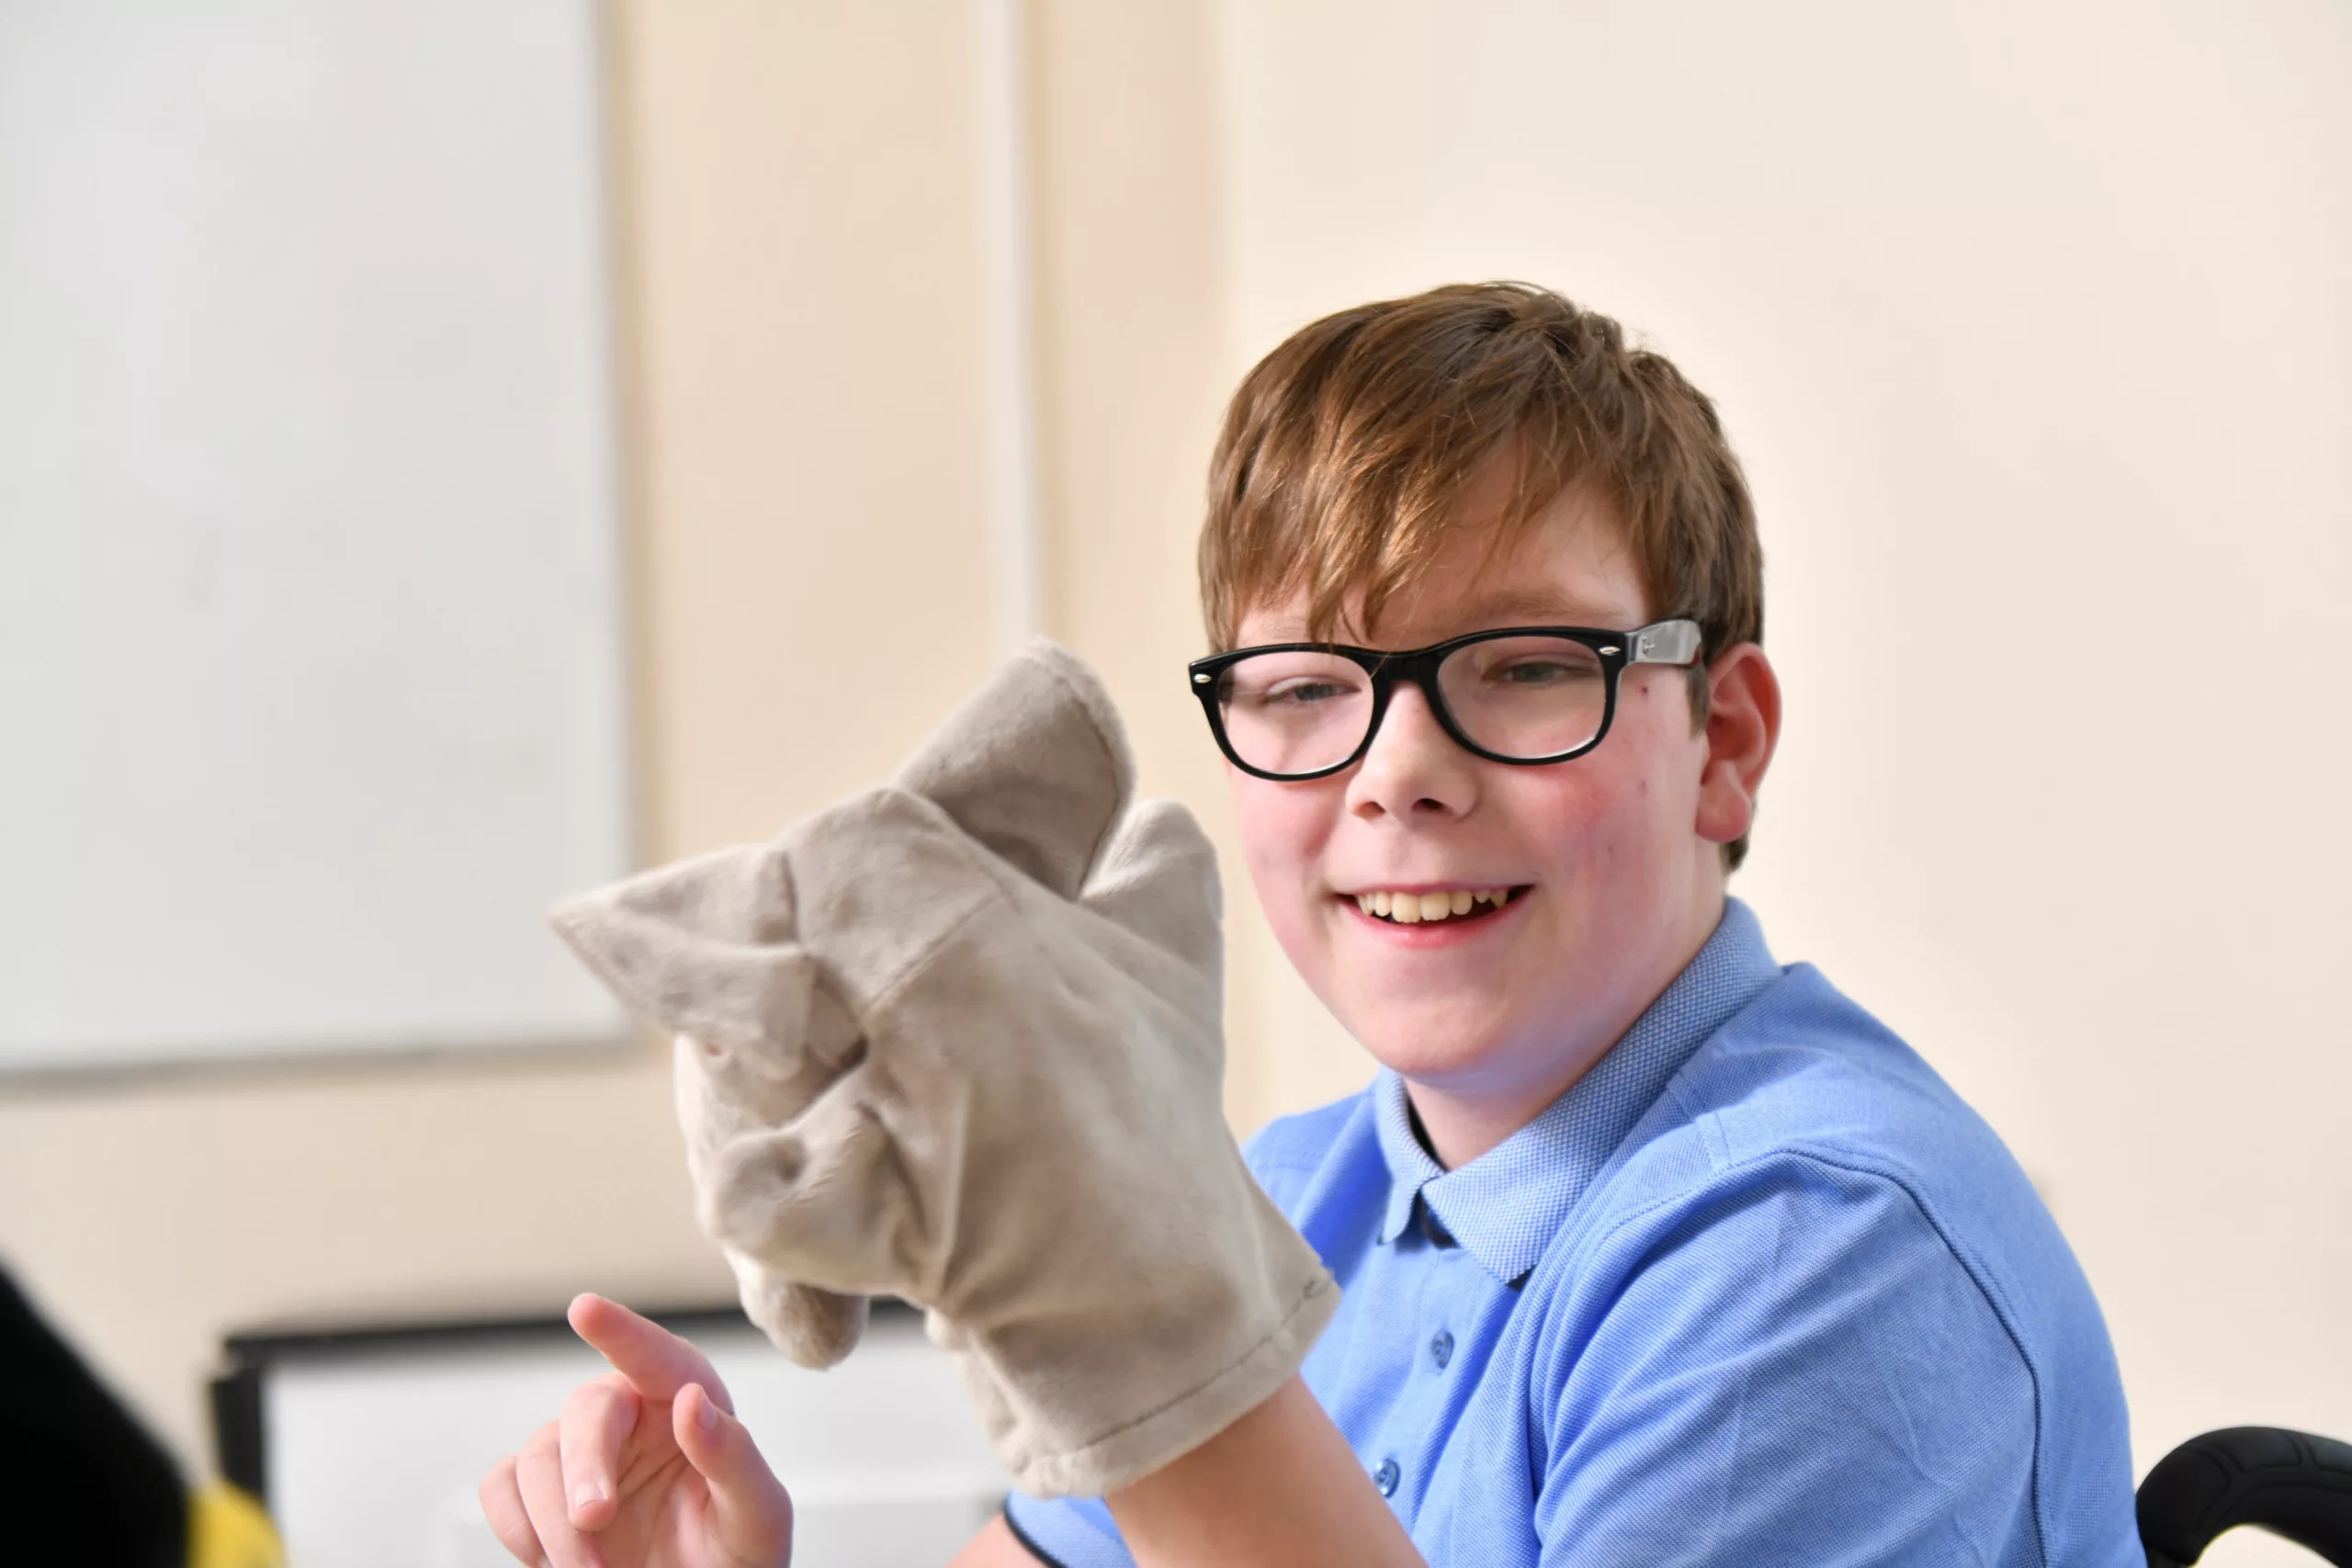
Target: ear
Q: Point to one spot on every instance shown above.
(1033, 765)
(706, 947)
(1743, 728)
(1159, 879)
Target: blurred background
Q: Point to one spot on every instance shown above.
(908, 327)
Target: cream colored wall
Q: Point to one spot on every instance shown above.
(2028, 321)
(801, 323)
(1133, 383)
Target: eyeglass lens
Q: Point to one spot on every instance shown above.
(1521, 698)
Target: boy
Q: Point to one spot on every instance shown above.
(1652, 1251)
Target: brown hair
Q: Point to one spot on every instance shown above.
(1345, 450)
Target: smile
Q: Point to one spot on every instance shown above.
(1456, 904)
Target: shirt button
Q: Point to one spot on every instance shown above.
(1385, 1477)
(1441, 1349)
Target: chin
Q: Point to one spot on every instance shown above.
(1427, 1047)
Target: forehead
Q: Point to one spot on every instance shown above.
(1570, 565)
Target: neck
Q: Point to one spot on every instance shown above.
(1463, 1121)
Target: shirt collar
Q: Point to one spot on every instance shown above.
(1508, 1203)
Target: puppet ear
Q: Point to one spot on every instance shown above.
(1157, 878)
(706, 947)
(1033, 765)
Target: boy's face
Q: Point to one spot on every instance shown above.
(1613, 858)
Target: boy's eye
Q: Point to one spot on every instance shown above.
(1303, 694)
(1542, 672)
(1291, 684)
(1534, 673)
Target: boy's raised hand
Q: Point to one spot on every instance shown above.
(647, 1468)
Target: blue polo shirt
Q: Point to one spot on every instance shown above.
(1758, 1290)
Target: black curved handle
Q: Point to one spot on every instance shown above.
(2289, 1484)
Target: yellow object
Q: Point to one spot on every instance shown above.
(227, 1528)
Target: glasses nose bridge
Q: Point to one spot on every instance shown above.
(1419, 670)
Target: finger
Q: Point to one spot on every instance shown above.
(598, 1420)
(539, 1476)
(502, 1505)
(656, 1361)
(750, 1508)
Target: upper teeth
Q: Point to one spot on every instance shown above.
(1411, 909)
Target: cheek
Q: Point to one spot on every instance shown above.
(1656, 718)
(1598, 815)
(1284, 830)
(1591, 830)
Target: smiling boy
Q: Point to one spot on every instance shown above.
(1652, 1251)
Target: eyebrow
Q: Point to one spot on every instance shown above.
(1513, 607)
(1550, 609)
(1504, 606)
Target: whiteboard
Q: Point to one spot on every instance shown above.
(311, 662)
(374, 1454)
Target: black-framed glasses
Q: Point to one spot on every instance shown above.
(1520, 695)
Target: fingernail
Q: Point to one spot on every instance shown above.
(588, 1492)
(707, 1416)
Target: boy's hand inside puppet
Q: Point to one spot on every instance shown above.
(647, 1466)
(958, 1040)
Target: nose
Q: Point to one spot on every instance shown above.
(1413, 771)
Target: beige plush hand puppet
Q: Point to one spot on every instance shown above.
(957, 1039)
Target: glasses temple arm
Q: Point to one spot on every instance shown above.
(1665, 642)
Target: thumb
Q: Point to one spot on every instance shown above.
(751, 1514)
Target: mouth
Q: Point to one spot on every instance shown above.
(1449, 906)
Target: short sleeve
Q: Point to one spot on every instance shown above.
(1793, 1367)
(1068, 1533)
(1285, 1156)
